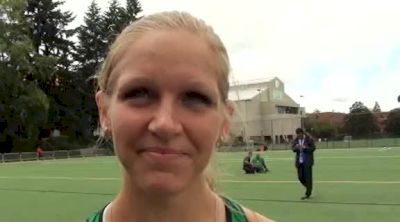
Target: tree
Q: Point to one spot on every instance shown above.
(114, 21)
(48, 28)
(116, 18)
(320, 129)
(51, 41)
(90, 49)
(360, 121)
(90, 53)
(133, 8)
(94, 39)
(23, 105)
(323, 130)
(377, 108)
(62, 84)
(358, 107)
(93, 43)
(393, 122)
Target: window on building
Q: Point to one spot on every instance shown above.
(287, 110)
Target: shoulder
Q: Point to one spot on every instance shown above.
(255, 217)
(239, 210)
(242, 214)
(309, 138)
(97, 216)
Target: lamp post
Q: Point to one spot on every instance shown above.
(300, 112)
(262, 127)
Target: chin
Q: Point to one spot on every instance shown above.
(166, 184)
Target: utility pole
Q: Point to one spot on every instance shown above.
(301, 113)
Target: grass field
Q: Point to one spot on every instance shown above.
(350, 185)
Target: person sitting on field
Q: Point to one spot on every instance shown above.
(259, 164)
(247, 165)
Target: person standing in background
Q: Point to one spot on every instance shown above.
(39, 151)
(304, 148)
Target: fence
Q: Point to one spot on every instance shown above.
(92, 152)
(59, 154)
(361, 143)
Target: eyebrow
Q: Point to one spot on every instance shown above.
(146, 80)
(137, 80)
(201, 85)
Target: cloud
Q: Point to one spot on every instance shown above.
(345, 39)
(340, 99)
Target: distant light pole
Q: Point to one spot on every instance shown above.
(262, 127)
(301, 113)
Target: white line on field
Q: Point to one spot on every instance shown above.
(338, 149)
(385, 148)
(222, 181)
(318, 181)
(60, 178)
(328, 157)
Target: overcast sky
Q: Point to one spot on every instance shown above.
(333, 53)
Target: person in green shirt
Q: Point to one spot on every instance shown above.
(259, 164)
(163, 101)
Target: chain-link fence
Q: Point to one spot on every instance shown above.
(359, 143)
(59, 154)
(344, 144)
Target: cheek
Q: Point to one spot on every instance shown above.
(126, 126)
(204, 132)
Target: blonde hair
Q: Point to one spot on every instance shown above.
(167, 21)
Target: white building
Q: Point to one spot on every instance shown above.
(264, 112)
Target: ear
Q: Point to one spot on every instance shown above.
(102, 101)
(229, 111)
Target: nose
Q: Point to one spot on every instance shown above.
(165, 124)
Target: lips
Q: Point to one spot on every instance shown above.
(161, 151)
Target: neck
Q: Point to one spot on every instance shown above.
(196, 203)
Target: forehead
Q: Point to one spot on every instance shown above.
(161, 41)
(170, 54)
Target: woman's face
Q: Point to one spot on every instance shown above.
(165, 112)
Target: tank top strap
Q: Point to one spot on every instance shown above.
(234, 212)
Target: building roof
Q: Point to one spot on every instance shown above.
(246, 90)
(244, 93)
(234, 83)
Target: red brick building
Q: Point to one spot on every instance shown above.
(333, 118)
(338, 119)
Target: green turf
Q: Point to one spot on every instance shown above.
(350, 185)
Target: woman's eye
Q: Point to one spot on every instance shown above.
(136, 93)
(137, 96)
(196, 99)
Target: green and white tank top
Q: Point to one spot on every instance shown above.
(233, 211)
